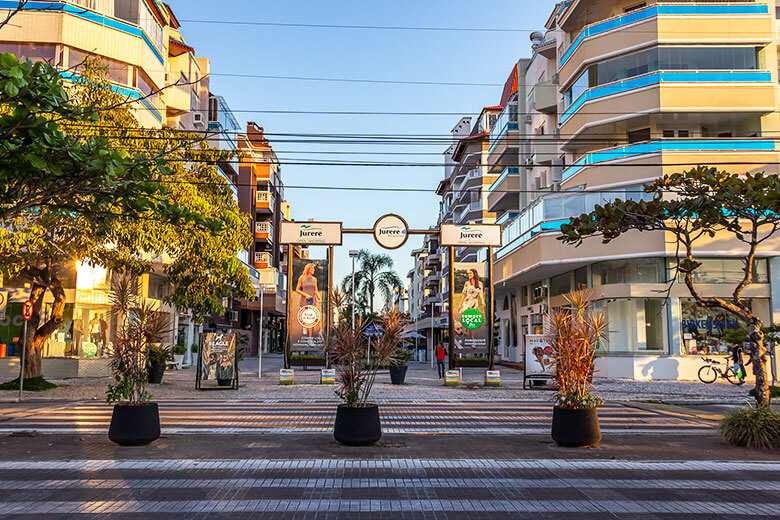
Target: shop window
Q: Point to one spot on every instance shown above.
(642, 270)
(581, 278)
(539, 293)
(560, 284)
(635, 324)
(537, 324)
(704, 329)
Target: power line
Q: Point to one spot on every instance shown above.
(362, 27)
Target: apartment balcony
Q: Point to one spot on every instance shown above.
(545, 95)
(264, 231)
(505, 133)
(262, 172)
(503, 193)
(177, 99)
(660, 23)
(264, 202)
(679, 91)
(432, 260)
(262, 260)
(548, 47)
(471, 178)
(544, 148)
(651, 159)
(471, 211)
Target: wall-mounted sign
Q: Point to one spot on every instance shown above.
(391, 231)
(476, 235)
(319, 233)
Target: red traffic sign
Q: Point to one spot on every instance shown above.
(2, 297)
(27, 310)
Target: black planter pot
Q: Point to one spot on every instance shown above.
(224, 382)
(575, 428)
(156, 372)
(134, 425)
(357, 426)
(398, 374)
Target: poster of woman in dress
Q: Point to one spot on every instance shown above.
(470, 308)
(308, 305)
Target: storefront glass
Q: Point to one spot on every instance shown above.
(704, 330)
(635, 324)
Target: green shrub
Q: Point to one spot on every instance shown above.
(299, 357)
(158, 354)
(774, 391)
(34, 384)
(179, 350)
(752, 427)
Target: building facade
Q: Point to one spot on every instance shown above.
(619, 94)
(147, 59)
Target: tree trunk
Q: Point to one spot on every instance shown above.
(37, 334)
(759, 362)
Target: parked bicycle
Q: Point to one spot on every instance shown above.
(711, 371)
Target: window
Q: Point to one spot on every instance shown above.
(581, 278)
(637, 136)
(683, 133)
(643, 270)
(727, 270)
(703, 329)
(513, 319)
(668, 133)
(663, 58)
(539, 293)
(118, 72)
(524, 296)
(147, 88)
(635, 7)
(635, 324)
(31, 51)
(560, 284)
(137, 12)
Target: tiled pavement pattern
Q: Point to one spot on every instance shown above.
(420, 417)
(392, 488)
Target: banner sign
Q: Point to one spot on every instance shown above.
(476, 235)
(539, 362)
(218, 358)
(391, 231)
(470, 310)
(317, 233)
(307, 305)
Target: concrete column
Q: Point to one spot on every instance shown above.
(189, 339)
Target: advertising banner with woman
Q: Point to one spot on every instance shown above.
(218, 358)
(307, 305)
(470, 309)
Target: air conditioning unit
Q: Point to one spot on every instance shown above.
(197, 119)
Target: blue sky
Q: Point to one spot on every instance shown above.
(478, 57)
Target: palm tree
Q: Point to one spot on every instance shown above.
(376, 273)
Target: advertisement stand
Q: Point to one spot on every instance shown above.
(539, 364)
(217, 361)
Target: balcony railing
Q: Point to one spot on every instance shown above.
(472, 174)
(550, 212)
(619, 21)
(511, 170)
(666, 76)
(507, 120)
(470, 208)
(262, 260)
(670, 146)
(264, 229)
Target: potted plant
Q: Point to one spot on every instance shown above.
(574, 333)
(399, 368)
(178, 354)
(135, 420)
(357, 419)
(157, 356)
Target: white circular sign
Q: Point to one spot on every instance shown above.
(309, 316)
(391, 231)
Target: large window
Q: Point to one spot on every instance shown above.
(704, 331)
(560, 284)
(32, 51)
(727, 270)
(663, 58)
(635, 324)
(640, 270)
(137, 12)
(118, 72)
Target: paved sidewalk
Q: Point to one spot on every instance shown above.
(423, 383)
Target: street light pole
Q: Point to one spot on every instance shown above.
(260, 345)
(353, 254)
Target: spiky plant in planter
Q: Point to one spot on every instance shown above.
(139, 327)
(357, 419)
(574, 333)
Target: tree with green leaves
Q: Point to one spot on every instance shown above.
(375, 275)
(692, 207)
(170, 211)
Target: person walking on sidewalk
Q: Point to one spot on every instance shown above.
(440, 355)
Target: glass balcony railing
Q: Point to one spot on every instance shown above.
(550, 212)
(507, 120)
(511, 170)
(670, 146)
